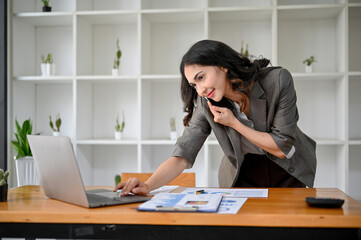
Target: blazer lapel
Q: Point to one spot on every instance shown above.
(258, 108)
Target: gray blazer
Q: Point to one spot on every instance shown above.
(273, 110)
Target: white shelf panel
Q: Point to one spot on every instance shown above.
(106, 142)
(240, 14)
(175, 16)
(356, 4)
(158, 142)
(309, 12)
(172, 4)
(107, 79)
(355, 142)
(44, 79)
(108, 17)
(317, 76)
(239, 4)
(308, 2)
(107, 5)
(47, 19)
(330, 142)
(354, 73)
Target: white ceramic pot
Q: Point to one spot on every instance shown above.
(56, 133)
(26, 173)
(115, 72)
(47, 69)
(308, 69)
(118, 135)
(173, 135)
(43, 69)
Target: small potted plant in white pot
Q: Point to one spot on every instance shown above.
(46, 7)
(24, 162)
(3, 185)
(47, 65)
(308, 63)
(56, 131)
(115, 70)
(119, 128)
(173, 130)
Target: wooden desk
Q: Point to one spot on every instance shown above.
(28, 213)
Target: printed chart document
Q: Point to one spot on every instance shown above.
(236, 193)
(181, 202)
(231, 205)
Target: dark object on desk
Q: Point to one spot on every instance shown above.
(324, 202)
(4, 193)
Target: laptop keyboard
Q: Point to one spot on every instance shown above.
(98, 200)
(94, 199)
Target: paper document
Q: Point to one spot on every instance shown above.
(231, 205)
(245, 193)
(164, 189)
(171, 202)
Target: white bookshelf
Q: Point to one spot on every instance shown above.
(153, 36)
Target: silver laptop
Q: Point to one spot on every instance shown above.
(60, 177)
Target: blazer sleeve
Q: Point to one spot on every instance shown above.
(284, 127)
(194, 135)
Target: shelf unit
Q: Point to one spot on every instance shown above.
(153, 36)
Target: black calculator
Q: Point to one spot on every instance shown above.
(324, 202)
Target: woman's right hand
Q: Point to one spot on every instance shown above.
(133, 185)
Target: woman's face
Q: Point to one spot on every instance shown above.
(209, 81)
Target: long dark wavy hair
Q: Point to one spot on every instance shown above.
(242, 72)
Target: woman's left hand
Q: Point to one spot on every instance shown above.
(222, 115)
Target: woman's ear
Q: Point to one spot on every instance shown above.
(225, 70)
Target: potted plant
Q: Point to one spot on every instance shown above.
(115, 70)
(117, 179)
(173, 130)
(56, 131)
(3, 185)
(46, 7)
(244, 52)
(24, 163)
(47, 65)
(308, 63)
(119, 128)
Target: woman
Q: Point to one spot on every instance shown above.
(255, 122)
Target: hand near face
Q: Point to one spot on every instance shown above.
(222, 115)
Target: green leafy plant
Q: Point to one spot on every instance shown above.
(244, 52)
(48, 59)
(117, 179)
(57, 123)
(119, 127)
(3, 177)
(172, 124)
(118, 55)
(309, 60)
(46, 2)
(21, 144)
